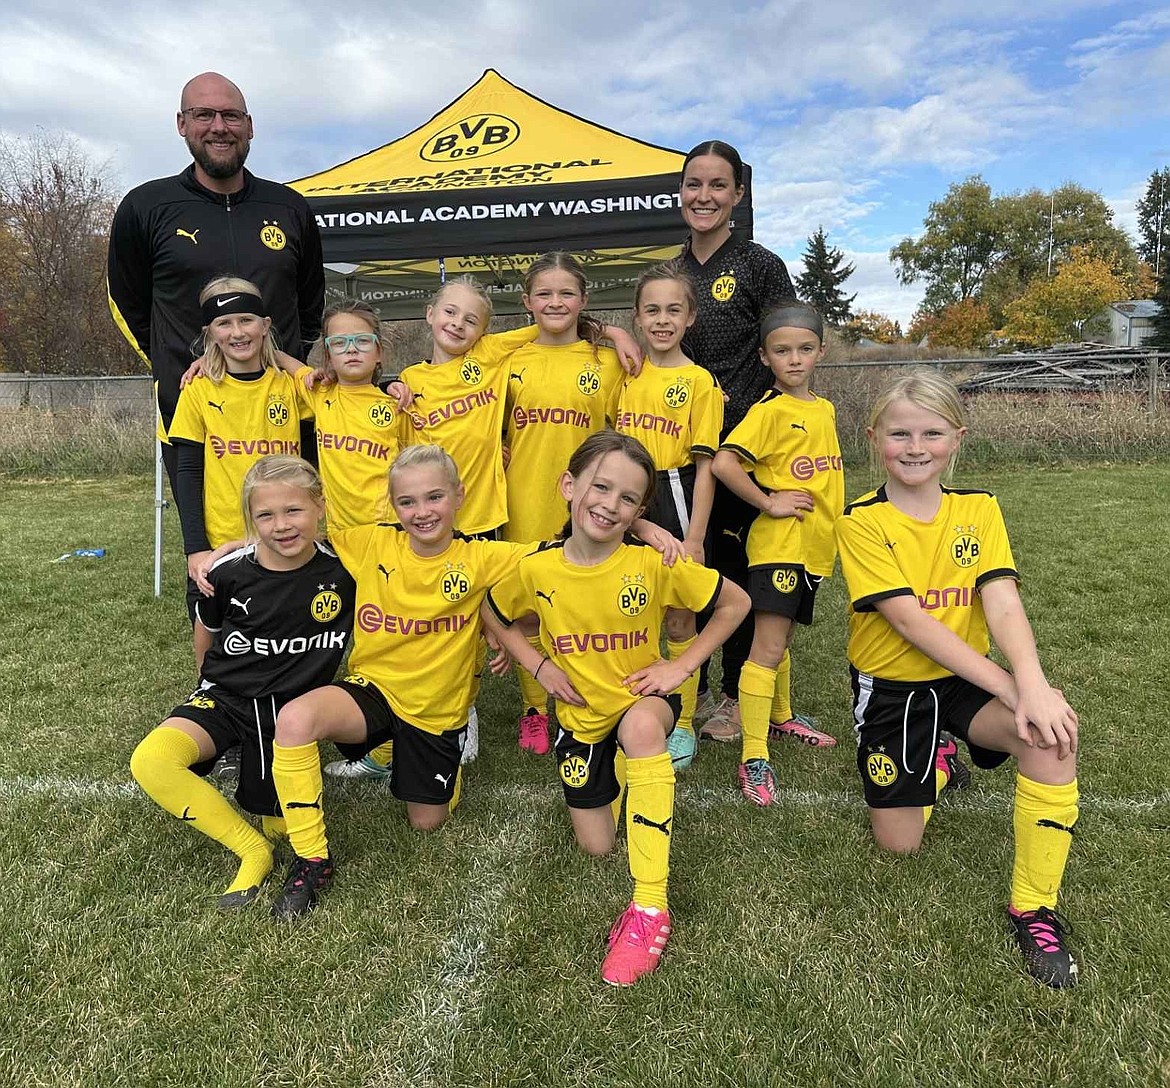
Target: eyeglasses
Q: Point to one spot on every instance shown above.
(363, 341)
(204, 115)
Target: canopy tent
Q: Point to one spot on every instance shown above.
(492, 180)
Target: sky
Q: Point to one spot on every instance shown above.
(854, 115)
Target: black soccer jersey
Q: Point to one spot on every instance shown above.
(736, 286)
(277, 632)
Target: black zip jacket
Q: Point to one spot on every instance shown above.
(170, 236)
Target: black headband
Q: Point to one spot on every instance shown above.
(793, 315)
(232, 302)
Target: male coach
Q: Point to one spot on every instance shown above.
(170, 236)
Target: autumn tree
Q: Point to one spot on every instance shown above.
(1153, 215)
(965, 324)
(55, 211)
(1055, 310)
(871, 325)
(820, 282)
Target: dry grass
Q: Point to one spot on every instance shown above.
(77, 443)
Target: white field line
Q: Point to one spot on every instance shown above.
(693, 796)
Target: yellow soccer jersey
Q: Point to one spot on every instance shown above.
(676, 412)
(557, 397)
(943, 562)
(416, 628)
(602, 623)
(237, 421)
(359, 433)
(790, 444)
(459, 405)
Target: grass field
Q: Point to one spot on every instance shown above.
(470, 957)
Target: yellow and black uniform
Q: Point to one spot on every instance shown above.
(600, 624)
(359, 433)
(791, 444)
(902, 698)
(677, 414)
(558, 395)
(277, 635)
(460, 405)
(222, 429)
(418, 628)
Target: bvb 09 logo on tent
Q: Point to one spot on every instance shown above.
(474, 137)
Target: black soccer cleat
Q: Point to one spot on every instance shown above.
(307, 878)
(1040, 933)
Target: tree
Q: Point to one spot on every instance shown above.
(976, 245)
(871, 325)
(1055, 310)
(820, 282)
(965, 324)
(55, 211)
(961, 241)
(1153, 213)
(1161, 320)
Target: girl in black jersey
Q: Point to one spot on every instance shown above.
(737, 282)
(276, 627)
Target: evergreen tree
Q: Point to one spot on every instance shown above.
(1153, 212)
(1161, 320)
(820, 282)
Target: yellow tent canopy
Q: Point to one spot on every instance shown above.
(493, 179)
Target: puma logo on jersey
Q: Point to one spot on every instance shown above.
(386, 573)
(645, 822)
(518, 376)
(736, 534)
(217, 407)
(180, 233)
(241, 605)
(329, 404)
(440, 778)
(185, 818)
(547, 596)
(305, 804)
(798, 427)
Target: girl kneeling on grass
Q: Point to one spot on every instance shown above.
(601, 600)
(412, 671)
(930, 576)
(276, 626)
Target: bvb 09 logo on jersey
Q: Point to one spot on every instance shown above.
(381, 415)
(723, 288)
(272, 236)
(784, 581)
(278, 413)
(455, 584)
(471, 372)
(574, 771)
(325, 606)
(473, 137)
(677, 394)
(589, 381)
(882, 770)
(965, 547)
(633, 596)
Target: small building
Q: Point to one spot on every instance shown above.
(1125, 324)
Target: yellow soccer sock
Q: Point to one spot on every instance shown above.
(756, 684)
(649, 817)
(619, 770)
(782, 693)
(1044, 819)
(383, 755)
(296, 773)
(689, 688)
(531, 693)
(161, 765)
(273, 828)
